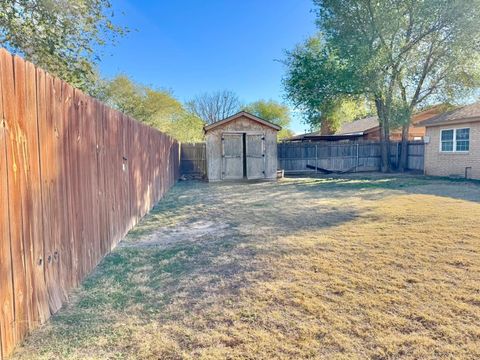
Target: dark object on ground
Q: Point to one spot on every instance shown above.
(326, 171)
(193, 177)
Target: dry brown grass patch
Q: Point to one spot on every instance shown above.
(341, 268)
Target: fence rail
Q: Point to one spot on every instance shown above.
(348, 157)
(75, 176)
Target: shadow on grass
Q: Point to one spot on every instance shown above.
(116, 282)
(149, 284)
(144, 283)
(148, 277)
(464, 189)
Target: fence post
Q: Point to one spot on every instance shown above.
(356, 166)
(398, 155)
(316, 158)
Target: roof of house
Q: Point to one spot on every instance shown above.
(464, 114)
(421, 116)
(370, 123)
(359, 126)
(317, 136)
(239, 115)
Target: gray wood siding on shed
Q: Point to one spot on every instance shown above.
(241, 125)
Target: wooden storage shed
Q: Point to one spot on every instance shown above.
(242, 146)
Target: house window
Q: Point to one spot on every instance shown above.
(447, 140)
(455, 140)
(462, 140)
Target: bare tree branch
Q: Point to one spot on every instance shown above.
(212, 107)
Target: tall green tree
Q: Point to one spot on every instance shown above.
(63, 37)
(344, 110)
(157, 108)
(318, 83)
(273, 112)
(399, 54)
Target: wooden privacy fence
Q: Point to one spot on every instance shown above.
(193, 159)
(75, 176)
(344, 157)
(308, 157)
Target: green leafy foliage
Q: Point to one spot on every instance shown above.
(322, 86)
(157, 108)
(273, 112)
(405, 53)
(63, 37)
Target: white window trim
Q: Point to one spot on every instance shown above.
(455, 141)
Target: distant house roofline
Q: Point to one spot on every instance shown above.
(370, 123)
(365, 126)
(317, 137)
(464, 114)
(238, 115)
(361, 125)
(455, 121)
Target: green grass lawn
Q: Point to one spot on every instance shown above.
(336, 268)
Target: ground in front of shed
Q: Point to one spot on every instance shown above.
(360, 266)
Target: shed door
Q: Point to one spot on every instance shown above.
(232, 152)
(255, 156)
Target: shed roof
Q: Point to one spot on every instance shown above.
(239, 115)
(466, 113)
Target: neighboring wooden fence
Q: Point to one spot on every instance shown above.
(308, 157)
(193, 159)
(347, 157)
(75, 176)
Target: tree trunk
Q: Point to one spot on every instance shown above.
(384, 136)
(385, 168)
(403, 165)
(326, 127)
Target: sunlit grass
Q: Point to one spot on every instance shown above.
(335, 268)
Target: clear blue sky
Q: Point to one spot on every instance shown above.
(196, 46)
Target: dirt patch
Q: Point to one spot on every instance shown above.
(182, 232)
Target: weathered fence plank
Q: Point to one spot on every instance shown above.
(416, 156)
(75, 176)
(15, 170)
(23, 175)
(37, 180)
(6, 285)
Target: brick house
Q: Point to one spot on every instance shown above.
(453, 143)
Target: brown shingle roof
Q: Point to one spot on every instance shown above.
(357, 126)
(464, 114)
(371, 122)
